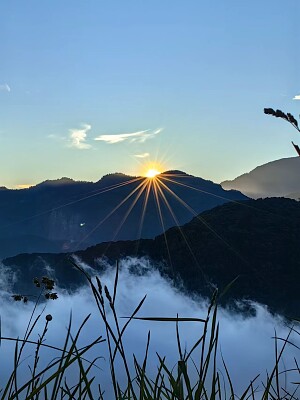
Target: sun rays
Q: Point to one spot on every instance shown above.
(152, 173)
(162, 189)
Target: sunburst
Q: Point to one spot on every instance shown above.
(152, 181)
(152, 173)
(151, 169)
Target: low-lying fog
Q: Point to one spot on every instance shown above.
(246, 342)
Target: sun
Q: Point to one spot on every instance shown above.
(152, 173)
(151, 169)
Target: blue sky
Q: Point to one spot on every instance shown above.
(87, 86)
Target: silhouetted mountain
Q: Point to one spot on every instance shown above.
(66, 215)
(56, 182)
(275, 179)
(294, 196)
(257, 240)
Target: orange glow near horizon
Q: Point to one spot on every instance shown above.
(23, 186)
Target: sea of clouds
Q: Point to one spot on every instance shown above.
(246, 342)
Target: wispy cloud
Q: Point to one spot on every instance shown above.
(297, 97)
(77, 137)
(4, 87)
(139, 137)
(143, 155)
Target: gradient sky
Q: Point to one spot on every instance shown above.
(184, 81)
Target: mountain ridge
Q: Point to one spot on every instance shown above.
(276, 178)
(69, 215)
(257, 240)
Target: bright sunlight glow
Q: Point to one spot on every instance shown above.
(151, 173)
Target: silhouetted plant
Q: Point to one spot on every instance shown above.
(45, 284)
(287, 117)
(49, 382)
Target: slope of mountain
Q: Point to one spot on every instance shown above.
(275, 179)
(257, 240)
(67, 215)
(294, 196)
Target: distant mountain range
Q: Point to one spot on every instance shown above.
(67, 215)
(280, 178)
(257, 240)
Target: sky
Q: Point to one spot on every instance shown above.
(90, 88)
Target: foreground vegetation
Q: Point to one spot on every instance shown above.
(197, 374)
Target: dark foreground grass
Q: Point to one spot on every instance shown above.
(197, 375)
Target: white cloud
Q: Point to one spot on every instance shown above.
(5, 88)
(297, 97)
(77, 137)
(143, 155)
(139, 137)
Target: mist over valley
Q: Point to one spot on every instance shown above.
(139, 277)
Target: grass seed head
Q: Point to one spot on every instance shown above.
(17, 297)
(107, 294)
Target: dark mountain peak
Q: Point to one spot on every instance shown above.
(3, 188)
(56, 182)
(114, 178)
(181, 174)
(175, 172)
